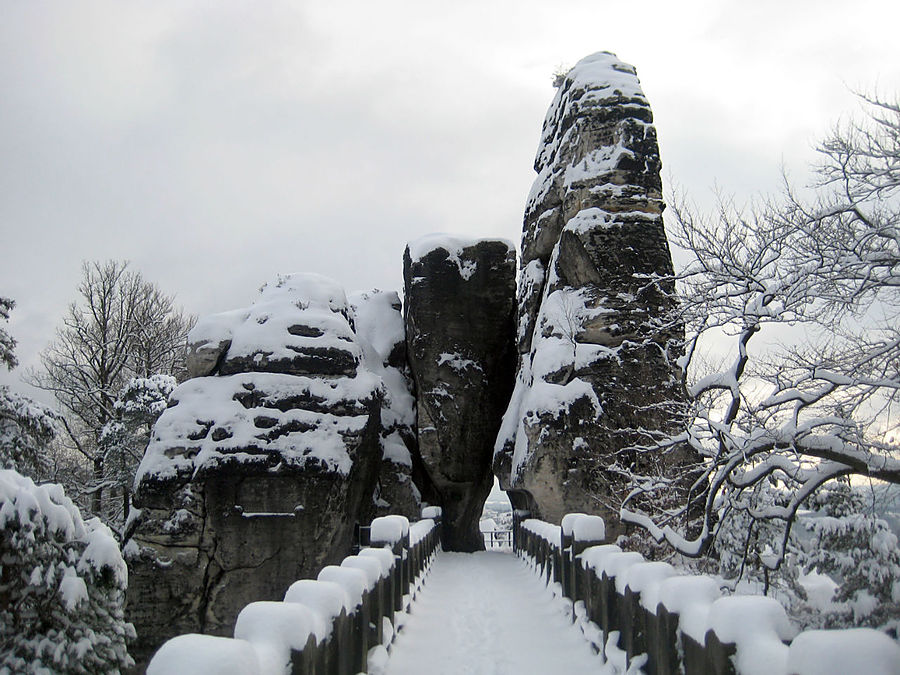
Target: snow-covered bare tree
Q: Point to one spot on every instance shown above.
(121, 327)
(805, 294)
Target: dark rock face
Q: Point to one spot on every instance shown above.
(460, 306)
(596, 369)
(254, 479)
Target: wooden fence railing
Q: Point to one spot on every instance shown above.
(325, 626)
(666, 622)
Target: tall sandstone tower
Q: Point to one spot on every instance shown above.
(596, 374)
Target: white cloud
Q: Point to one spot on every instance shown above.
(215, 144)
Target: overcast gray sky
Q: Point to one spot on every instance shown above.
(214, 144)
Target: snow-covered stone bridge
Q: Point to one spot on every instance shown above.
(562, 602)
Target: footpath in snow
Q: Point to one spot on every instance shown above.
(488, 614)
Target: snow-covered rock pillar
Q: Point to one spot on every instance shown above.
(595, 369)
(460, 313)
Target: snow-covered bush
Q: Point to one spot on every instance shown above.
(849, 555)
(7, 343)
(26, 429)
(860, 553)
(124, 438)
(62, 585)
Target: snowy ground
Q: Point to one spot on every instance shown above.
(488, 614)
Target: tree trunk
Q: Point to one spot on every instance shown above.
(97, 497)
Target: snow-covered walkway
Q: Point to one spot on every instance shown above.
(488, 614)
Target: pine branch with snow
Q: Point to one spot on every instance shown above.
(859, 551)
(7, 342)
(26, 429)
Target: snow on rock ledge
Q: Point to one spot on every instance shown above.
(454, 247)
(380, 330)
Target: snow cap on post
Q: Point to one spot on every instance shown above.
(372, 568)
(275, 629)
(646, 579)
(326, 598)
(595, 556)
(690, 597)
(584, 527)
(389, 529)
(432, 512)
(758, 627)
(383, 556)
(354, 582)
(195, 654)
(852, 650)
(545, 531)
(419, 530)
(568, 522)
(616, 565)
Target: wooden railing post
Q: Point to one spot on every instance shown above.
(435, 513)
(519, 515)
(407, 565)
(565, 563)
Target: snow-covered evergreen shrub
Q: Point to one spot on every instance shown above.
(859, 552)
(26, 429)
(124, 438)
(143, 399)
(62, 585)
(7, 343)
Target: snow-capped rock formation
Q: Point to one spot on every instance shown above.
(460, 312)
(263, 462)
(594, 363)
(379, 326)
